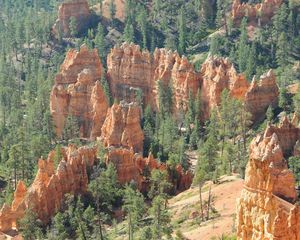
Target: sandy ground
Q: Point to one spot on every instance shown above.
(225, 195)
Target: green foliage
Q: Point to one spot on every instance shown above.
(134, 207)
(294, 165)
(30, 227)
(73, 26)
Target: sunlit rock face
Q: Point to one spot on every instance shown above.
(132, 71)
(257, 14)
(219, 74)
(77, 92)
(122, 127)
(261, 94)
(47, 191)
(266, 208)
(79, 9)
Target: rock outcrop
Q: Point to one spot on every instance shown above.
(122, 127)
(267, 208)
(219, 74)
(261, 94)
(78, 92)
(132, 72)
(78, 9)
(133, 167)
(256, 14)
(46, 193)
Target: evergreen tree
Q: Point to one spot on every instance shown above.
(251, 63)
(73, 26)
(161, 219)
(182, 32)
(134, 207)
(100, 41)
(296, 101)
(243, 48)
(129, 32)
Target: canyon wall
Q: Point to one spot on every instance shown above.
(77, 92)
(219, 74)
(267, 208)
(132, 71)
(257, 14)
(47, 191)
(79, 9)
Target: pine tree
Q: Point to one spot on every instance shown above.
(100, 41)
(251, 63)
(282, 52)
(160, 219)
(73, 26)
(134, 206)
(143, 26)
(243, 48)
(129, 32)
(296, 101)
(182, 32)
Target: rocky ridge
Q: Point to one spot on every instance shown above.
(267, 208)
(132, 71)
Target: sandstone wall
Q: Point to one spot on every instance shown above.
(78, 92)
(79, 9)
(267, 209)
(131, 70)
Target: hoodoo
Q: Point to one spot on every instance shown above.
(78, 92)
(267, 208)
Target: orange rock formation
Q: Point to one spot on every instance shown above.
(132, 71)
(46, 194)
(261, 94)
(219, 74)
(260, 13)
(78, 92)
(133, 167)
(267, 209)
(79, 9)
(122, 127)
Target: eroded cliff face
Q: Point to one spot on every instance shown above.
(256, 14)
(219, 74)
(261, 94)
(79, 9)
(46, 193)
(122, 127)
(78, 92)
(267, 209)
(132, 71)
